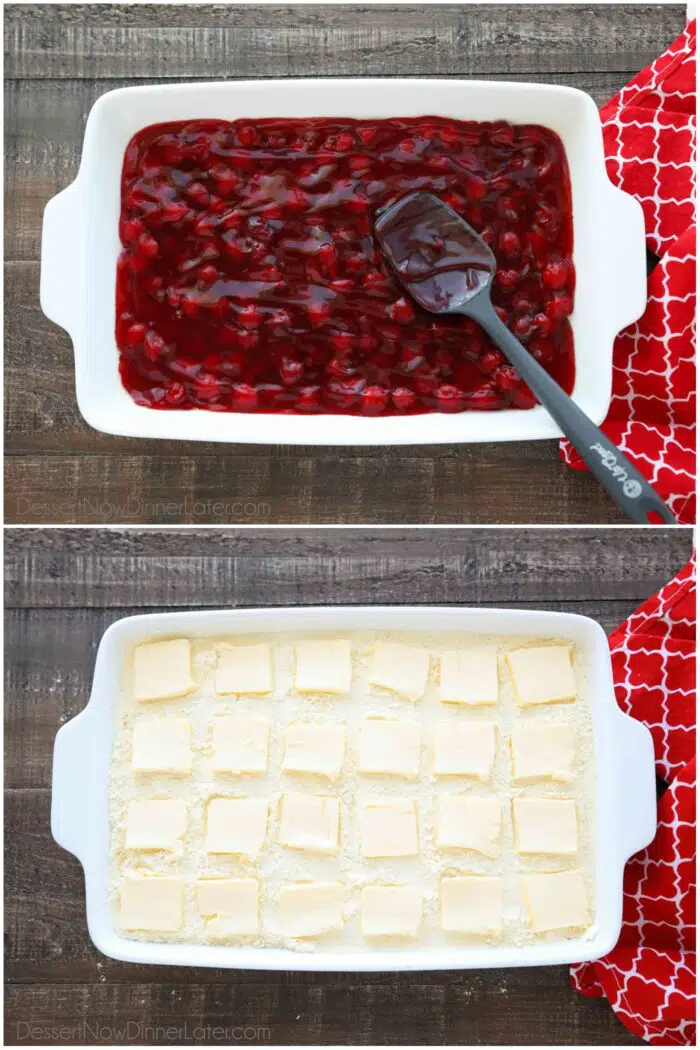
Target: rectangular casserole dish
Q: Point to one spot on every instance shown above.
(80, 247)
(625, 799)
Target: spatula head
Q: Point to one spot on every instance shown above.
(442, 262)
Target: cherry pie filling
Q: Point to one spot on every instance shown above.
(250, 281)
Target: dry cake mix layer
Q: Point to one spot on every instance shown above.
(352, 791)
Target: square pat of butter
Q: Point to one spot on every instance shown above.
(543, 752)
(545, 825)
(228, 906)
(161, 745)
(556, 900)
(391, 911)
(390, 746)
(151, 902)
(243, 669)
(388, 827)
(310, 909)
(240, 744)
(236, 825)
(401, 668)
(469, 822)
(465, 748)
(471, 904)
(542, 674)
(310, 748)
(469, 677)
(310, 822)
(155, 823)
(163, 670)
(323, 666)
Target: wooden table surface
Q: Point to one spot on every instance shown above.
(60, 59)
(64, 588)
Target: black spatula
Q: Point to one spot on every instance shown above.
(448, 269)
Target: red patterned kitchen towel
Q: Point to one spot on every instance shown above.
(649, 976)
(649, 136)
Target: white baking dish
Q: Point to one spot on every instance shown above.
(625, 799)
(80, 247)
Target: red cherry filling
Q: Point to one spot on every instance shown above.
(249, 279)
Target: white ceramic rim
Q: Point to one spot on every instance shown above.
(625, 800)
(80, 246)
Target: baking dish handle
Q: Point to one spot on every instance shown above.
(62, 281)
(627, 247)
(71, 790)
(636, 786)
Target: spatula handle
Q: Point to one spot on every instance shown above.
(630, 489)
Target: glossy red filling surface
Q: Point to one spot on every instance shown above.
(250, 279)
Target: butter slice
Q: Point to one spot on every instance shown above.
(151, 902)
(401, 668)
(469, 822)
(229, 906)
(310, 822)
(391, 747)
(469, 677)
(391, 911)
(312, 748)
(310, 909)
(243, 669)
(556, 900)
(236, 825)
(323, 667)
(472, 904)
(543, 752)
(155, 823)
(545, 825)
(161, 745)
(465, 749)
(240, 744)
(542, 675)
(163, 670)
(388, 827)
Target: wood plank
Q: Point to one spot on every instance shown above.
(254, 487)
(412, 566)
(647, 548)
(45, 120)
(541, 1006)
(471, 40)
(310, 15)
